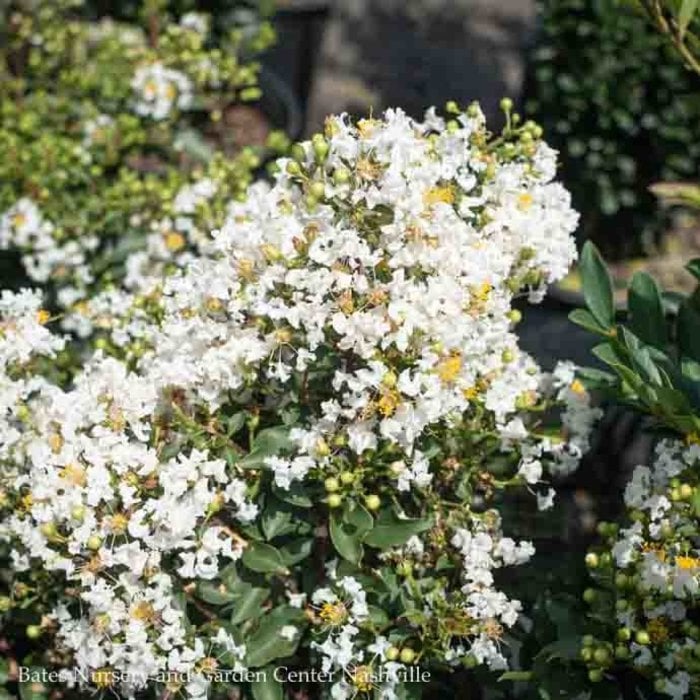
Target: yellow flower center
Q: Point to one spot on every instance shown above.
(74, 474)
(118, 523)
(143, 611)
(693, 438)
(437, 195)
(334, 614)
(362, 678)
(19, 219)
(577, 387)
(688, 563)
(388, 402)
(366, 127)
(55, 442)
(525, 201)
(448, 370)
(42, 316)
(246, 269)
(174, 241)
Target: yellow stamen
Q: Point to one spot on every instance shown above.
(577, 387)
(448, 369)
(55, 442)
(174, 241)
(688, 563)
(333, 614)
(388, 402)
(525, 201)
(437, 195)
(74, 474)
(362, 678)
(42, 316)
(118, 523)
(143, 611)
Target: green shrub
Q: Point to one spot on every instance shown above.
(622, 109)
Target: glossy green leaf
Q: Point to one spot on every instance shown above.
(392, 531)
(646, 314)
(266, 687)
(263, 558)
(348, 528)
(597, 285)
(266, 643)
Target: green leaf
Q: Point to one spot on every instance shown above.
(347, 530)
(266, 687)
(585, 319)
(685, 14)
(248, 603)
(268, 443)
(392, 531)
(267, 644)
(688, 328)
(297, 550)
(214, 594)
(646, 310)
(263, 558)
(515, 676)
(597, 285)
(296, 494)
(694, 268)
(277, 519)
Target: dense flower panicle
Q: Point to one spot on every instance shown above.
(348, 331)
(158, 90)
(656, 561)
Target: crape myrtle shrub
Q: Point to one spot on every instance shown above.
(303, 460)
(622, 109)
(643, 625)
(101, 150)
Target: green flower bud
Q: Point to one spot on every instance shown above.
(407, 655)
(391, 654)
(334, 500)
(373, 502)
(331, 484)
(642, 637)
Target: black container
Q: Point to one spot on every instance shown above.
(300, 25)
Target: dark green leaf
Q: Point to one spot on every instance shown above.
(214, 593)
(585, 319)
(646, 311)
(392, 531)
(694, 268)
(263, 558)
(267, 644)
(266, 687)
(688, 327)
(347, 530)
(597, 286)
(247, 605)
(268, 443)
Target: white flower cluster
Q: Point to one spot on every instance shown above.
(482, 550)
(659, 551)
(122, 523)
(384, 260)
(24, 228)
(158, 90)
(431, 284)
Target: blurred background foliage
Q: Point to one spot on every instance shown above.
(612, 95)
